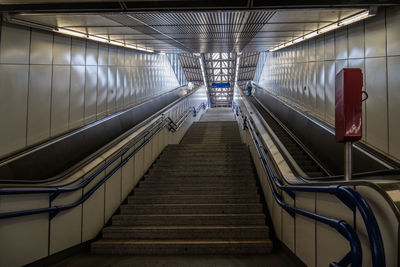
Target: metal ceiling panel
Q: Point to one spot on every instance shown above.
(191, 66)
(174, 5)
(311, 15)
(198, 31)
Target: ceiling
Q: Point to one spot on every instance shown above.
(140, 5)
(199, 31)
(218, 37)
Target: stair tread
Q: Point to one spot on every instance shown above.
(191, 215)
(151, 227)
(205, 204)
(123, 241)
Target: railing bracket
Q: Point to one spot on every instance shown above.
(53, 214)
(54, 196)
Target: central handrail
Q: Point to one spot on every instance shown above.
(167, 121)
(348, 196)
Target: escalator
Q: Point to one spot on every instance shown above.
(310, 167)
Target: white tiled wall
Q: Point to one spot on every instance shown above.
(304, 74)
(51, 83)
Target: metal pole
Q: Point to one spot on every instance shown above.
(348, 161)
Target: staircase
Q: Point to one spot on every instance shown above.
(200, 197)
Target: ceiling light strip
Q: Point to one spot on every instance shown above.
(101, 39)
(74, 33)
(330, 27)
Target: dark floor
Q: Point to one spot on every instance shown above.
(275, 259)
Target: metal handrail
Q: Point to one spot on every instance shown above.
(348, 196)
(53, 211)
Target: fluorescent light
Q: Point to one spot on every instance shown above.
(297, 40)
(73, 33)
(161, 53)
(144, 49)
(29, 24)
(98, 39)
(328, 28)
(355, 18)
(140, 48)
(310, 35)
(117, 43)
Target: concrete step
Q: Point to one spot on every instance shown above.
(182, 167)
(206, 153)
(205, 139)
(204, 162)
(171, 184)
(195, 172)
(187, 232)
(183, 146)
(193, 157)
(181, 247)
(195, 190)
(193, 199)
(177, 182)
(197, 145)
(221, 134)
(220, 146)
(191, 208)
(193, 175)
(189, 219)
(209, 150)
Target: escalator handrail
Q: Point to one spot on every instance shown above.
(348, 196)
(56, 191)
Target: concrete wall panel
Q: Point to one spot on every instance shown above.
(392, 27)
(60, 99)
(77, 97)
(41, 48)
(15, 45)
(90, 93)
(39, 103)
(376, 105)
(13, 109)
(62, 50)
(394, 107)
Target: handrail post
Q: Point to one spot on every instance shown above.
(348, 160)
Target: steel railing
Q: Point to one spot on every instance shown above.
(146, 137)
(346, 195)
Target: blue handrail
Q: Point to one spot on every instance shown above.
(348, 196)
(53, 211)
